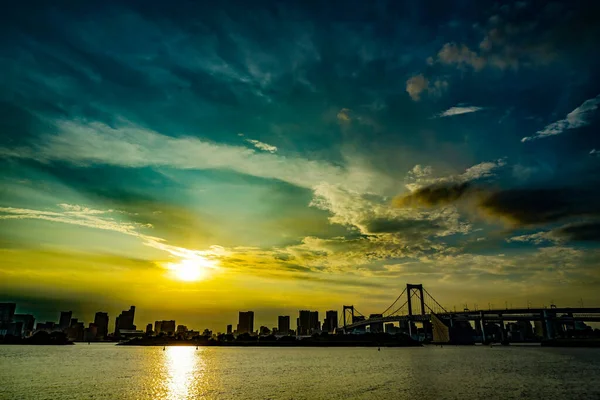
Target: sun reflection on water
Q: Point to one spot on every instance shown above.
(185, 367)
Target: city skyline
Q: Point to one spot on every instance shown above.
(197, 161)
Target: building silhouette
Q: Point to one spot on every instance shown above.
(65, 320)
(27, 321)
(101, 322)
(283, 324)
(303, 322)
(314, 323)
(166, 327)
(125, 321)
(229, 329)
(149, 329)
(378, 327)
(330, 323)
(245, 322)
(76, 330)
(7, 312)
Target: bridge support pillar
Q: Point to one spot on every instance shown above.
(548, 322)
(482, 326)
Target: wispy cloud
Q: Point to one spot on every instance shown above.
(577, 118)
(458, 110)
(422, 176)
(131, 146)
(262, 146)
(104, 220)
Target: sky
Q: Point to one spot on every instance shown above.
(195, 160)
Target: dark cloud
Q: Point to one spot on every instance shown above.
(584, 232)
(520, 207)
(434, 195)
(540, 206)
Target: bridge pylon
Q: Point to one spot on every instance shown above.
(351, 309)
(413, 289)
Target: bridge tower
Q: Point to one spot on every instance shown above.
(412, 289)
(351, 309)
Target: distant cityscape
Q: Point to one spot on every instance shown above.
(24, 325)
(307, 324)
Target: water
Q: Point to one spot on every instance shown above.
(105, 371)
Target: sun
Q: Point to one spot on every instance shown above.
(190, 270)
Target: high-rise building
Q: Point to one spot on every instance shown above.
(7, 312)
(101, 322)
(245, 322)
(229, 329)
(28, 321)
(331, 321)
(149, 329)
(166, 327)
(377, 327)
(76, 330)
(65, 320)
(283, 324)
(125, 320)
(90, 333)
(303, 322)
(314, 323)
(181, 329)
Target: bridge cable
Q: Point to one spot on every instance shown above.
(435, 301)
(395, 301)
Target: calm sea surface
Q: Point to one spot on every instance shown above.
(105, 371)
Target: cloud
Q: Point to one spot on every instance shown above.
(584, 232)
(461, 55)
(595, 153)
(420, 177)
(458, 111)
(127, 145)
(577, 118)
(526, 207)
(344, 116)
(519, 207)
(104, 220)
(434, 195)
(262, 146)
(418, 84)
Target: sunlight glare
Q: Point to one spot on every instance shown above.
(191, 269)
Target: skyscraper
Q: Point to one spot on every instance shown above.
(65, 320)
(229, 329)
(303, 322)
(7, 312)
(245, 322)
(314, 323)
(101, 322)
(168, 327)
(28, 321)
(283, 324)
(378, 327)
(331, 321)
(125, 320)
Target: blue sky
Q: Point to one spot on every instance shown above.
(301, 154)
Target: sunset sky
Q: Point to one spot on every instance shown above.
(197, 161)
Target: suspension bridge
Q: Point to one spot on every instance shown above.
(416, 305)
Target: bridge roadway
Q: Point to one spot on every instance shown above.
(516, 314)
